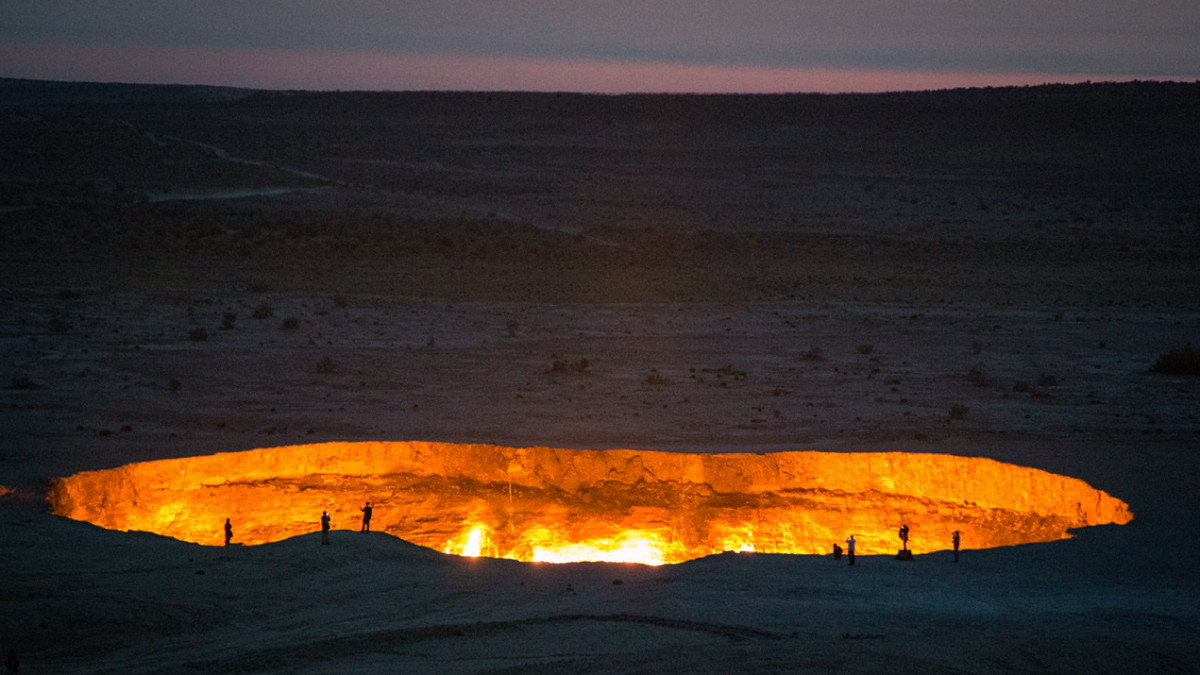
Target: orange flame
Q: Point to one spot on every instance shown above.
(554, 505)
(474, 542)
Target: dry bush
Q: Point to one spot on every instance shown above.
(22, 382)
(263, 311)
(727, 370)
(1048, 380)
(564, 366)
(1182, 361)
(976, 377)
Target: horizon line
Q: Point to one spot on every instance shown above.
(553, 92)
(327, 71)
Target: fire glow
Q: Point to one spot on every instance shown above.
(556, 505)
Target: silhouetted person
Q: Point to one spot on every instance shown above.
(903, 537)
(228, 531)
(837, 552)
(12, 663)
(324, 528)
(957, 540)
(850, 549)
(366, 526)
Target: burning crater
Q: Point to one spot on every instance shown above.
(554, 505)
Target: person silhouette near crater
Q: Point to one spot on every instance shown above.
(366, 521)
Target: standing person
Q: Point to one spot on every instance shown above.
(903, 537)
(837, 551)
(850, 549)
(957, 540)
(228, 531)
(366, 525)
(324, 528)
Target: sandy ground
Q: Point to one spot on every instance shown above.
(371, 603)
(1111, 600)
(854, 332)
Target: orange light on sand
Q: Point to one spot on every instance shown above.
(555, 505)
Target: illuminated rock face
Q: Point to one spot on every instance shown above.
(546, 504)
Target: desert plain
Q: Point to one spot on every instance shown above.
(989, 272)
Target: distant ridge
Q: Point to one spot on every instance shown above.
(1106, 109)
(45, 92)
(25, 92)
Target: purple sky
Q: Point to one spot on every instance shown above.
(601, 45)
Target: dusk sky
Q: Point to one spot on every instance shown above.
(610, 46)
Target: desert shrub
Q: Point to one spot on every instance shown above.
(865, 349)
(341, 301)
(198, 334)
(511, 327)
(174, 384)
(325, 365)
(564, 366)
(959, 411)
(227, 320)
(290, 323)
(22, 382)
(813, 354)
(976, 377)
(656, 378)
(263, 311)
(727, 370)
(1182, 361)
(1047, 380)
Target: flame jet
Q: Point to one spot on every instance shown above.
(558, 505)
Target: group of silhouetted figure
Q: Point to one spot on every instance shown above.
(903, 554)
(325, 522)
